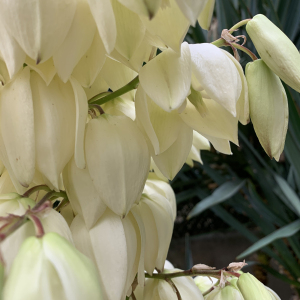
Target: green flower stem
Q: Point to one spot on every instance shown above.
(35, 189)
(238, 25)
(99, 99)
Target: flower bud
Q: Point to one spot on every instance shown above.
(50, 267)
(276, 49)
(268, 107)
(226, 293)
(252, 288)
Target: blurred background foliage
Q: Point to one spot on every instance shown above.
(247, 192)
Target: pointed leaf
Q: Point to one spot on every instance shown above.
(222, 193)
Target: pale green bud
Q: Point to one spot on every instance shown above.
(268, 107)
(276, 49)
(13, 203)
(252, 288)
(51, 268)
(226, 293)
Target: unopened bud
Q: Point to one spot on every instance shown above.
(268, 107)
(252, 288)
(276, 49)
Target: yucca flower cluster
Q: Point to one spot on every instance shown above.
(101, 104)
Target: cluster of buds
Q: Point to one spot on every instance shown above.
(95, 119)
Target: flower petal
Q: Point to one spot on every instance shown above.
(17, 126)
(167, 78)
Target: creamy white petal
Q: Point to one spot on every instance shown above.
(206, 14)
(119, 171)
(217, 74)
(109, 244)
(171, 161)
(191, 9)
(151, 235)
(161, 127)
(40, 26)
(81, 117)
(83, 196)
(54, 119)
(98, 86)
(187, 288)
(116, 74)
(168, 19)
(81, 237)
(120, 107)
(167, 78)
(46, 69)
(145, 7)
(164, 189)
(11, 52)
(140, 55)
(17, 126)
(106, 23)
(90, 63)
(130, 30)
(217, 122)
(221, 145)
(132, 250)
(242, 105)
(77, 41)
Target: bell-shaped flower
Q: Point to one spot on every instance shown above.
(130, 30)
(169, 18)
(215, 122)
(77, 42)
(217, 75)
(268, 107)
(118, 160)
(155, 212)
(242, 105)
(191, 9)
(39, 125)
(276, 50)
(160, 289)
(154, 185)
(45, 30)
(52, 221)
(252, 289)
(167, 78)
(226, 293)
(54, 125)
(83, 196)
(120, 107)
(199, 143)
(90, 64)
(162, 128)
(147, 7)
(51, 267)
(206, 14)
(114, 245)
(99, 86)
